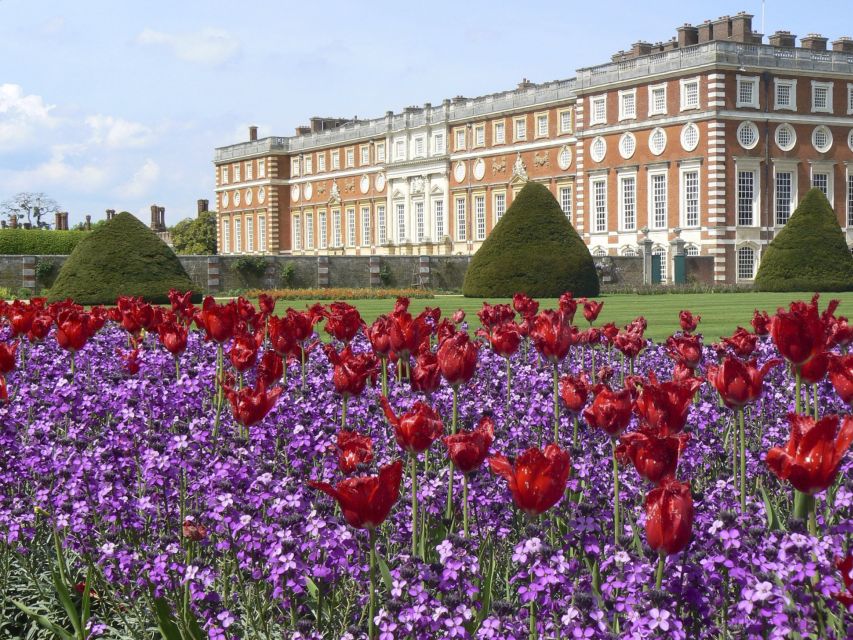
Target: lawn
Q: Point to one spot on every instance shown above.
(721, 312)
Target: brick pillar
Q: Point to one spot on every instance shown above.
(28, 272)
(214, 281)
(375, 267)
(646, 248)
(88, 222)
(57, 223)
(423, 271)
(323, 271)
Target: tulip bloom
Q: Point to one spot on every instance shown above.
(343, 321)
(416, 429)
(217, 320)
(742, 342)
(760, 323)
(552, 335)
(270, 368)
(366, 501)
(846, 568)
(243, 353)
(739, 383)
(281, 335)
(688, 321)
(353, 449)
(799, 334)
(841, 376)
(130, 360)
(669, 517)
(686, 349)
(591, 309)
(458, 316)
(351, 370)
(457, 358)
(610, 411)
(814, 370)
(426, 376)
(568, 306)
(664, 407)
(811, 458)
(525, 306)
(73, 329)
(193, 531)
(249, 406)
(503, 338)
(654, 457)
(494, 315)
(468, 449)
(379, 334)
(173, 336)
(20, 316)
(40, 327)
(8, 359)
(407, 333)
(574, 390)
(537, 479)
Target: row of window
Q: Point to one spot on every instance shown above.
(236, 244)
(304, 164)
(746, 258)
(657, 101)
(239, 171)
(785, 94)
(785, 137)
(246, 198)
(657, 204)
(473, 136)
(785, 193)
(346, 235)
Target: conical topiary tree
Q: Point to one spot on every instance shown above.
(533, 249)
(122, 257)
(810, 253)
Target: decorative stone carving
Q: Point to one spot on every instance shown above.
(349, 185)
(417, 185)
(336, 192)
(519, 169)
(321, 189)
(541, 160)
(498, 165)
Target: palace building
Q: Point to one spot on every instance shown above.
(702, 144)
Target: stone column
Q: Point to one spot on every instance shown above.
(423, 271)
(28, 272)
(646, 248)
(375, 270)
(214, 281)
(323, 271)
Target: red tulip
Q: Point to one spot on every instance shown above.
(266, 303)
(468, 449)
(457, 358)
(591, 309)
(73, 329)
(343, 321)
(629, 343)
(610, 411)
(813, 454)
(669, 516)
(281, 335)
(552, 335)
(193, 531)
(173, 336)
(217, 320)
(494, 315)
(840, 333)
(760, 323)
(682, 373)
(841, 376)
(40, 327)
(270, 368)
(444, 330)
(379, 334)
(609, 331)
(664, 407)
(20, 316)
(407, 333)
(425, 376)
(4, 392)
(814, 370)
(574, 390)
(654, 457)
(130, 360)
(244, 352)
(567, 306)
(353, 449)
(742, 342)
(525, 306)
(458, 316)
(182, 304)
(416, 429)
(739, 383)
(366, 501)
(503, 338)
(537, 479)
(686, 349)
(688, 321)
(249, 405)
(351, 370)
(846, 568)
(799, 334)
(8, 360)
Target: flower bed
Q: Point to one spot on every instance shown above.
(159, 481)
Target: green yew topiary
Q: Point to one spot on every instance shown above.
(533, 249)
(810, 253)
(123, 257)
(39, 242)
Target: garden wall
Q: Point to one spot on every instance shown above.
(441, 273)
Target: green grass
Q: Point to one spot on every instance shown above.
(721, 312)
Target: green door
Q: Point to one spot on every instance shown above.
(678, 271)
(657, 269)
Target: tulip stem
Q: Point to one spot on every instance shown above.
(804, 507)
(533, 634)
(448, 510)
(508, 381)
(302, 356)
(575, 430)
(556, 376)
(344, 413)
(371, 611)
(414, 505)
(659, 573)
(177, 369)
(615, 493)
(814, 402)
(465, 504)
(797, 395)
(73, 366)
(385, 377)
(742, 431)
(592, 351)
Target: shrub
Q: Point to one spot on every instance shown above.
(339, 294)
(250, 266)
(810, 253)
(123, 257)
(535, 249)
(288, 274)
(39, 242)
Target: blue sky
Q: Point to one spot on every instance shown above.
(114, 104)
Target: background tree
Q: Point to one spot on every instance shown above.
(195, 235)
(31, 208)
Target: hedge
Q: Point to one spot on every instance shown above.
(39, 242)
(534, 249)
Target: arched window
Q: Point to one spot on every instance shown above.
(598, 252)
(661, 251)
(629, 252)
(691, 250)
(745, 263)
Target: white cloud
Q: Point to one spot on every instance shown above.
(60, 172)
(208, 46)
(21, 115)
(141, 182)
(117, 133)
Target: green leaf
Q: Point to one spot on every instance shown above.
(194, 627)
(168, 629)
(87, 599)
(43, 621)
(313, 589)
(386, 574)
(64, 596)
(773, 521)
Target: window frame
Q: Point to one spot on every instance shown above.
(438, 216)
(294, 167)
(350, 240)
(337, 229)
(650, 206)
(364, 155)
(593, 211)
(495, 217)
(754, 251)
(744, 81)
(400, 220)
(829, 170)
(790, 169)
(537, 121)
(563, 113)
(849, 98)
(365, 225)
(479, 136)
(438, 149)
(683, 84)
(495, 125)
(226, 235)
(791, 83)
(818, 84)
(262, 233)
(309, 230)
(335, 159)
(297, 232)
(621, 178)
(623, 114)
(249, 170)
(322, 229)
(849, 182)
(321, 161)
(653, 111)
(419, 146)
(683, 171)
(479, 205)
(461, 229)
(519, 136)
(459, 142)
(380, 152)
(419, 207)
(381, 224)
(349, 157)
(753, 168)
(566, 203)
(594, 101)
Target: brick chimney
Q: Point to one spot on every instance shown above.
(640, 48)
(88, 222)
(111, 213)
(525, 84)
(687, 35)
(57, 222)
(741, 27)
(814, 42)
(202, 206)
(13, 222)
(705, 32)
(843, 44)
(161, 218)
(253, 133)
(721, 28)
(155, 216)
(783, 39)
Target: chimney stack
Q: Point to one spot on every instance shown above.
(741, 28)
(111, 213)
(705, 32)
(57, 223)
(640, 48)
(687, 35)
(253, 133)
(843, 44)
(155, 215)
(202, 206)
(783, 39)
(13, 221)
(161, 218)
(88, 222)
(814, 42)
